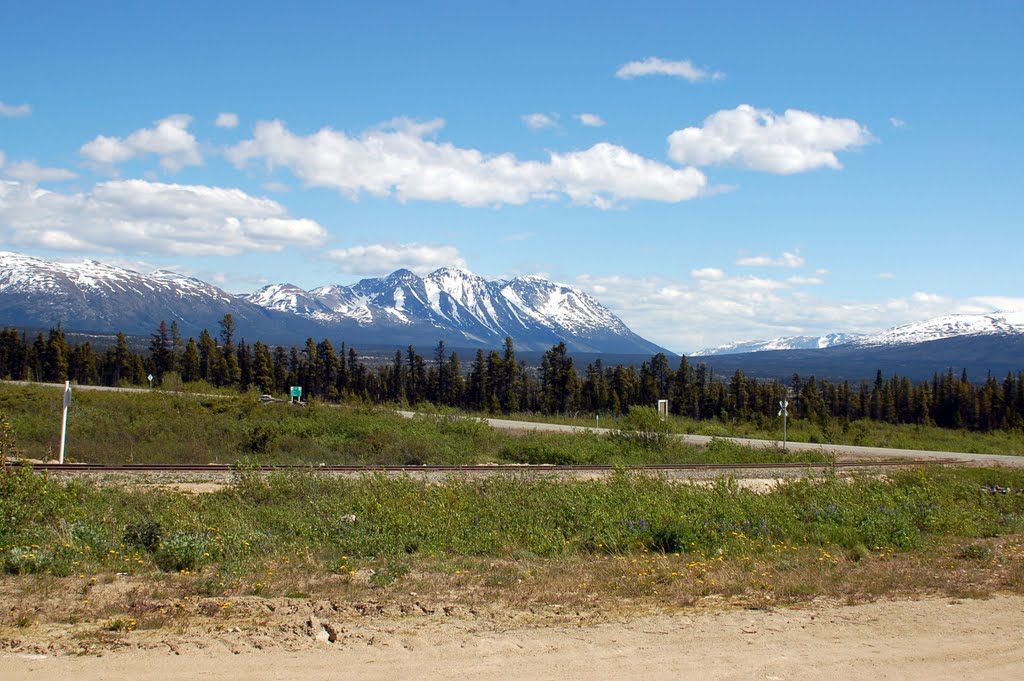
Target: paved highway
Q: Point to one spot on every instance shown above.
(849, 451)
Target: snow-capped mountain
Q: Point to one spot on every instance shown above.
(787, 343)
(989, 344)
(464, 308)
(96, 297)
(939, 328)
(949, 326)
(453, 305)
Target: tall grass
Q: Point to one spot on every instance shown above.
(63, 526)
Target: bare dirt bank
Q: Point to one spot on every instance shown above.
(924, 639)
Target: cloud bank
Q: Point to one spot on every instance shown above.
(150, 218)
(399, 160)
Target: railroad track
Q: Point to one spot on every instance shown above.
(497, 468)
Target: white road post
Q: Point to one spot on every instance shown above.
(64, 419)
(784, 413)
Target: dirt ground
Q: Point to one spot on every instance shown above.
(930, 638)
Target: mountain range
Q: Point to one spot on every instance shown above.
(467, 311)
(1008, 323)
(975, 343)
(459, 307)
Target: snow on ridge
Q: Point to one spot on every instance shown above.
(949, 326)
(1006, 323)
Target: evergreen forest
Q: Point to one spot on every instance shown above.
(499, 383)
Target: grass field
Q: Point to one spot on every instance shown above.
(621, 541)
(165, 427)
(183, 427)
(955, 531)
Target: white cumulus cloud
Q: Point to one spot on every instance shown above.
(590, 120)
(711, 273)
(169, 139)
(655, 66)
(14, 110)
(28, 171)
(758, 139)
(226, 119)
(787, 259)
(398, 159)
(381, 259)
(139, 217)
(537, 121)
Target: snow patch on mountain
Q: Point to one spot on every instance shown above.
(1006, 323)
(453, 298)
(786, 343)
(949, 326)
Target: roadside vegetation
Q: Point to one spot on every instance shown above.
(119, 554)
(181, 427)
(166, 427)
(597, 546)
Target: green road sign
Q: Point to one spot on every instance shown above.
(296, 391)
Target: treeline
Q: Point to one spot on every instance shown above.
(498, 382)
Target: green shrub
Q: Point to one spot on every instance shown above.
(25, 560)
(645, 428)
(181, 552)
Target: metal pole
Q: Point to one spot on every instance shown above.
(64, 419)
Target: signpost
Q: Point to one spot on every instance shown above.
(784, 413)
(64, 419)
(296, 394)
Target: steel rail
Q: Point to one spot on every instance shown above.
(495, 468)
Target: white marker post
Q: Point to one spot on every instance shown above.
(784, 413)
(64, 419)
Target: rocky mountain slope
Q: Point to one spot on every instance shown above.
(453, 305)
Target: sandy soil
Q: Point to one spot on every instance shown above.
(924, 639)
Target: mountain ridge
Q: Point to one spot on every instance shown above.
(450, 304)
(998, 323)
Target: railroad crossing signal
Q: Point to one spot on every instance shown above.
(783, 405)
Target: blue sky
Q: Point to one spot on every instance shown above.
(709, 171)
